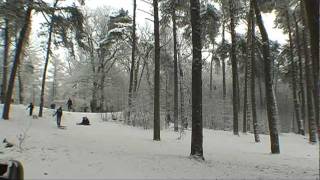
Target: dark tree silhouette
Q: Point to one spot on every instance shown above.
(23, 36)
(44, 75)
(196, 137)
(156, 123)
(132, 61)
(175, 68)
(312, 13)
(272, 108)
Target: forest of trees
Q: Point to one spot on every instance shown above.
(192, 68)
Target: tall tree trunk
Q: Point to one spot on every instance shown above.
(211, 73)
(175, 68)
(253, 76)
(183, 119)
(293, 77)
(145, 59)
(102, 82)
(21, 89)
(55, 69)
(167, 103)
(312, 12)
(224, 88)
(156, 123)
(141, 75)
(309, 83)
(23, 36)
(5, 60)
(93, 102)
(130, 94)
(136, 73)
(245, 99)
(272, 108)
(196, 136)
(44, 75)
(235, 98)
(247, 75)
(302, 93)
(260, 92)
(310, 107)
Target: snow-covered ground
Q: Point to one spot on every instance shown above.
(112, 150)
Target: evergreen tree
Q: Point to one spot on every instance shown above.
(196, 137)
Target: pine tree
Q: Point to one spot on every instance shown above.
(156, 123)
(130, 95)
(23, 36)
(44, 75)
(235, 98)
(309, 82)
(272, 108)
(175, 66)
(312, 15)
(253, 75)
(5, 60)
(197, 136)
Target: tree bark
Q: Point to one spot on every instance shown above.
(312, 13)
(253, 76)
(309, 84)
(136, 73)
(23, 36)
(175, 68)
(247, 74)
(196, 136)
(102, 80)
(272, 108)
(245, 99)
(5, 60)
(211, 74)
(183, 119)
(130, 94)
(168, 118)
(55, 79)
(21, 89)
(93, 101)
(310, 107)
(302, 93)
(156, 124)
(44, 75)
(235, 98)
(293, 77)
(224, 88)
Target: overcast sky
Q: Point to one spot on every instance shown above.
(274, 33)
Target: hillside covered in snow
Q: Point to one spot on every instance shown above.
(110, 149)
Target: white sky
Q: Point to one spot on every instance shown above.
(274, 33)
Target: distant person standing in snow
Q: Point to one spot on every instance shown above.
(30, 107)
(69, 103)
(59, 115)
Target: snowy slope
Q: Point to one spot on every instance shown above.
(113, 150)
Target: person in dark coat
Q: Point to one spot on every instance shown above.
(59, 115)
(69, 103)
(85, 121)
(30, 107)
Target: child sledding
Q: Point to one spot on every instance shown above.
(85, 121)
